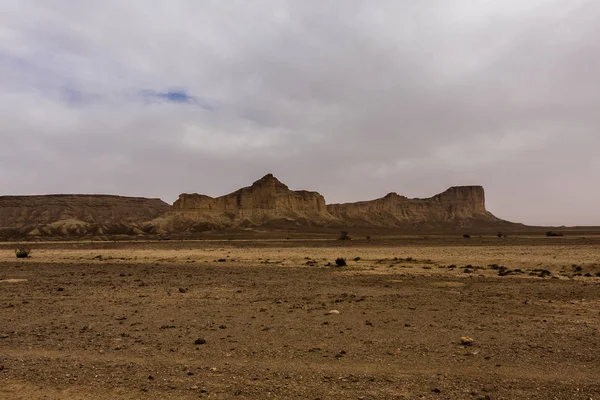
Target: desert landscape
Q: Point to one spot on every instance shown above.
(260, 294)
(316, 200)
(407, 317)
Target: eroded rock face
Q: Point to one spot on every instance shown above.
(270, 202)
(266, 201)
(76, 214)
(459, 204)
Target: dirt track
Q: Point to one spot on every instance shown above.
(124, 325)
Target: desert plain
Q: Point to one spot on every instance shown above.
(277, 318)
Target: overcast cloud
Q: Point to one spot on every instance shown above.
(350, 98)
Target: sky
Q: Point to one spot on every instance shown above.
(350, 98)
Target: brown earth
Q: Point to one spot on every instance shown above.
(121, 320)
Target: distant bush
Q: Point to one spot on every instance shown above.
(356, 258)
(554, 234)
(344, 236)
(340, 262)
(23, 253)
(466, 236)
(368, 237)
(500, 234)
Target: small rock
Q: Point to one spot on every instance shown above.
(466, 341)
(436, 390)
(182, 290)
(150, 377)
(488, 388)
(333, 312)
(200, 341)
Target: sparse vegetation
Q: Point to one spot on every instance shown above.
(500, 234)
(23, 253)
(356, 258)
(541, 272)
(554, 234)
(340, 262)
(466, 236)
(344, 236)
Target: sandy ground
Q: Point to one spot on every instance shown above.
(254, 320)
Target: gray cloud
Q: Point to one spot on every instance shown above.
(349, 98)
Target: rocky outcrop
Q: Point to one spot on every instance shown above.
(270, 203)
(267, 202)
(460, 205)
(76, 214)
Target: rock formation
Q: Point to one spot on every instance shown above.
(76, 214)
(266, 202)
(460, 205)
(269, 202)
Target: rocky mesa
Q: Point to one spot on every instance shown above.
(267, 202)
(270, 203)
(76, 215)
(459, 205)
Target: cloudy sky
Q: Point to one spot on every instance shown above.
(351, 98)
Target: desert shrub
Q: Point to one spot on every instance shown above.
(554, 234)
(577, 268)
(500, 234)
(344, 236)
(356, 258)
(368, 237)
(466, 236)
(340, 262)
(23, 253)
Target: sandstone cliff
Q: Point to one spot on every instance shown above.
(266, 202)
(76, 214)
(270, 203)
(461, 205)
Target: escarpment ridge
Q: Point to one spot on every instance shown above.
(266, 204)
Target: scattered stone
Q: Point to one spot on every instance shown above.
(150, 377)
(488, 388)
(466, 341)
(436, 390)
(183, 290)
(200, 341)
(333, 312)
